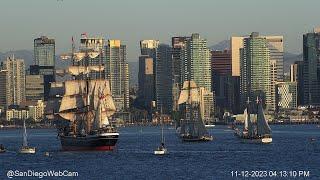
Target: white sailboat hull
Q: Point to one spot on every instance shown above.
(161, 152)
(27, 150)
(257, 140)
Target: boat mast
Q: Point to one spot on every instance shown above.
(161, 119)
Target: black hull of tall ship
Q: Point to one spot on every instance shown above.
(106, 142)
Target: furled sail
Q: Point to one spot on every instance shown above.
(93, 54)
(263, 127)
(78, 56)
(76, 70)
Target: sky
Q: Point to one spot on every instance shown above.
(21, 21)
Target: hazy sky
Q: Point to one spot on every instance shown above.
(132, 20)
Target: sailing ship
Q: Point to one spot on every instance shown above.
(161, 150)
(86, 103)
(259, 132)
(192, 127)
(25, 149)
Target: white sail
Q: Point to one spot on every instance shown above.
(68, 116)
(74, 87)
(246, 119)
(263, 127)
(189, 87)
(25, 142)
(71, 102)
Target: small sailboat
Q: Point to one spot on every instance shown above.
(161, 150)
(259, 132)
(25, 149)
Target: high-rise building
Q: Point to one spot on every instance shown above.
(34, 88)
(311, 70)
(296, 75)
(207, 104)
(44, 51)
(4, 91)
(44, 61)
(178, 48)
(286, 95)
(275, 46)
(15, 82)
(236, 43)
(150, 48)
(196, 62)
(273, 82)
(255, 69)
(164, 78)
(146, 81)
(221, 78)
(117, 71)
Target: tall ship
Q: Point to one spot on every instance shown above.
(83, 105)
(255, 132)
(191, 127)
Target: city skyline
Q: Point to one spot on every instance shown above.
(138, 20)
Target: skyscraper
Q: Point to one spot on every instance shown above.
(196, 62)
(221, 71)
(275, 45)
(296, 75)
(4, 91)
(150, 48)
(44, 51)
(44, 61)
(15, 82)
(164, 78)
(178, 48)
(117, 71)
(146, 81)
(255, 69)
(273, 82)
(311, 70)
(236, 43)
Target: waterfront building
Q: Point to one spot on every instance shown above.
(207, 105)
(286, 95)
